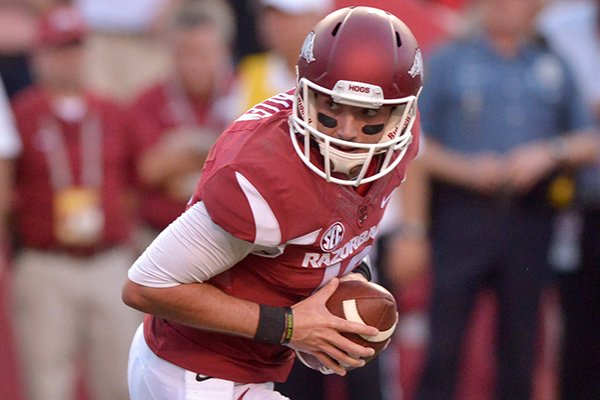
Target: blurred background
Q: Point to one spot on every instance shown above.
(514, 99)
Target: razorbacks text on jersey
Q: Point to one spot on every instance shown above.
(305, 230)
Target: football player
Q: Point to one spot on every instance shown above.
(289, 202)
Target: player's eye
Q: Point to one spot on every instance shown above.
(332, 105)
(326, 120)
(369, 112)
(372, 129)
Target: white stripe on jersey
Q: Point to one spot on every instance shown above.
(307, 239)
(268, 232)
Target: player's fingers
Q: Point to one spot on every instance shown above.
(343, 325)
(343, 358)
(349, 348)
(330, 363)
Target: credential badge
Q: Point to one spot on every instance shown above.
(417, 67)
(307, 47)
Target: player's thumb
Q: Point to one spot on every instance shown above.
(327, 290)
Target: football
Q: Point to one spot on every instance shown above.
(364, 302)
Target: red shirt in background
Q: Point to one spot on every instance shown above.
(156, 113)
(34, 207)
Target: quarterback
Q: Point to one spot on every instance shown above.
(289, 203)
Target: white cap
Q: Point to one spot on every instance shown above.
(297, 7)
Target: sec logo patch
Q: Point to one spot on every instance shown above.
(332, 237)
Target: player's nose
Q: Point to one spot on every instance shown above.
(347, 128)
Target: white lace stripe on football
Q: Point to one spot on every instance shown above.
(268, 232)
(351, 314)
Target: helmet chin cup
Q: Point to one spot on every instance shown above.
(342, 162)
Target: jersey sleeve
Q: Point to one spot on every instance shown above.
(236, 205)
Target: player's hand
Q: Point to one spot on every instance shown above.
(318, 332)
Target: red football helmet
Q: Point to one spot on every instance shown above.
(363, 57)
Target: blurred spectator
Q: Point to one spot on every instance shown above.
(282, 27)
(17, 33)
(409, 248)
(124, 50)
(572, 29)
(72, 225)
(246, 40)
(502, 116)
(17, 30)
(10, 146)
(175, 122)
(402, 259)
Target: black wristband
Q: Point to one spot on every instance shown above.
(364, 270)
(272, 325)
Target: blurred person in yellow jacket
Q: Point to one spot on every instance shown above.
(282, 27)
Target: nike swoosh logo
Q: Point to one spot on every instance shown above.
(387, 199)
(202, 378)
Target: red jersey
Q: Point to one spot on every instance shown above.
(306, 232)
(34, 172)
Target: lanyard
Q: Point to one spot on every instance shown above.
(57, 155)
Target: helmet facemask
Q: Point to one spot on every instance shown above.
(351, 167)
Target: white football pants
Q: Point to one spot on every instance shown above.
(152, 378)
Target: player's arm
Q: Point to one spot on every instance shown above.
(167, 281)
(199, 305)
